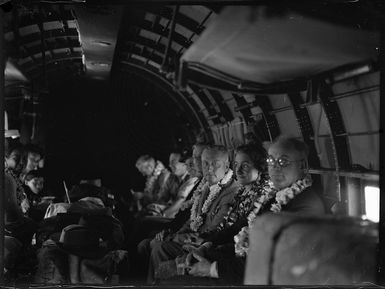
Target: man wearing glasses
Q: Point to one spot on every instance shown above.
(292, 188)
(288, 165)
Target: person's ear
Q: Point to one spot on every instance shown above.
(227, 165)
(304, 165)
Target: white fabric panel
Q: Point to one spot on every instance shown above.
(231, 134)
(248, 44)
(225, 130)
(197, 12)
(317, 120)
(237, 131)
(288, 123)
(279, 100)
(365, 150)
(365, 107)
(217, 135)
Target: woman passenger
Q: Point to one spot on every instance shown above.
(250, 170)
(291, 187)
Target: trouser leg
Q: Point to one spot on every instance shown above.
(160, 252)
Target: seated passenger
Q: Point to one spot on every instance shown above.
(33, 187)
(169, 193)
(185, 170)
(195, 170)
(291, 186)
(208, 209)
(156, 176)
(250, 168)
(33, 156)
(18, 228)
(149, 225)
(165, 226)
(14, 163)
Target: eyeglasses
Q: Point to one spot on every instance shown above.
(281, 162)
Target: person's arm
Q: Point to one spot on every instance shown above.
(226, 235)
(180, 219)
(183, 192)
(174, 208)
(229, 269)
(12, 209)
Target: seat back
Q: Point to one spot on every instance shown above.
(299, 250)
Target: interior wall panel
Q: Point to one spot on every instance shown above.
(288, 123)
(365, 151)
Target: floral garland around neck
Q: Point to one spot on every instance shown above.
(150, 182)
(196, 194)
(243, 202)
(282, 197)
(198, 218)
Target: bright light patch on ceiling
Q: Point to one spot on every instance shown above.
(372, 203)
(102, 43)
(29, 29)
(101, 64)
(13, 73)
(52, 25)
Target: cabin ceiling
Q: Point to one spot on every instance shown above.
(50, 42)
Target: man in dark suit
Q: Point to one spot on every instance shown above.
(210, 208)
(288, 168)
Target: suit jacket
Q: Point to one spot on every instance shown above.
(231, 267)
(215, 214)
(183, 215)
(219, 207)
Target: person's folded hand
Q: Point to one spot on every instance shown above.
(137, 195)
(159, 236)
(201, 268)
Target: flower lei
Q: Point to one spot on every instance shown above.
(244, 199)
(196, 194)
(198, 218)
(282, 197)
(150, 182)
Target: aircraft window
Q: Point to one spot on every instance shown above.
(372, 203)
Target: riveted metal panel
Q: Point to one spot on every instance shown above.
(337, 127)
(305, 126)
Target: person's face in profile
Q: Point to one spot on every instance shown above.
(173, 162)
(36, 185)
(190, 166)
(32, 162)
(146, 168)
(13, 160)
